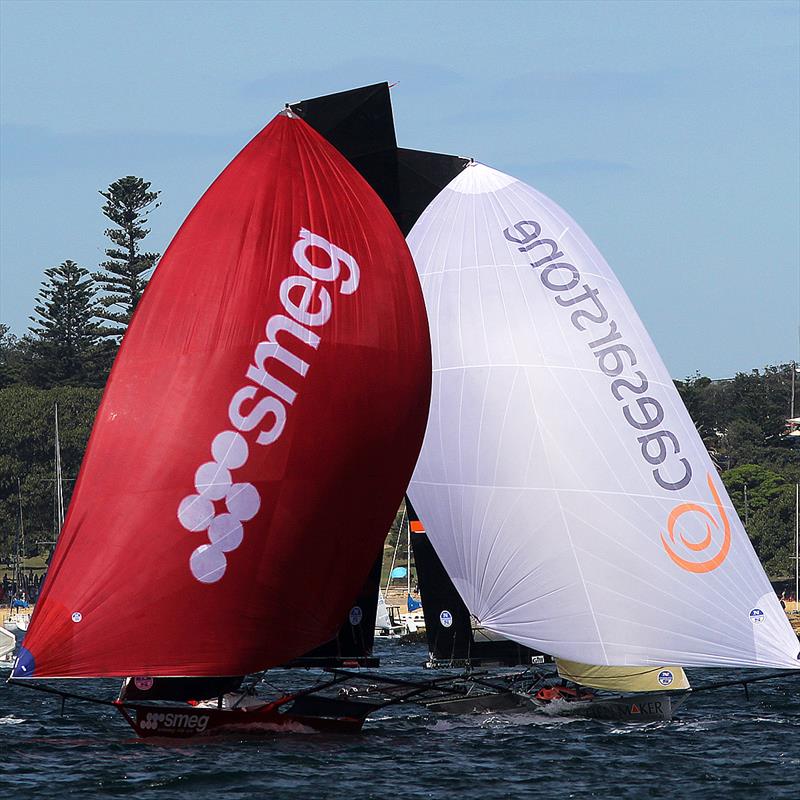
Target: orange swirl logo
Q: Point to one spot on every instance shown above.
(702, 545)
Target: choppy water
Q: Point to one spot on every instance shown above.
(722, 747)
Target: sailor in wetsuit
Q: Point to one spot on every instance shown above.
(563, 691)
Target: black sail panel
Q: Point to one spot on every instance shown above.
(352, 645)
(178, 689)
(447, 620)
(360, 125)
(421, 176)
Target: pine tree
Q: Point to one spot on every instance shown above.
(63, 346)
(126, 272)
(9, 356)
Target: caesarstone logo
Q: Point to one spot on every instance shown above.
(640, 400)
(713, 554)
(637, 397)
(260, 407)
(155, 720)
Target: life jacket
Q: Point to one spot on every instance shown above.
(548, 693)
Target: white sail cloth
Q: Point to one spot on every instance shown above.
(382, 620)
(561, 480)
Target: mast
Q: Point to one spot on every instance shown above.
(408, 559)
(20, 539)
(394, 554)
(59, 489)
(746, 512)
(796, 546)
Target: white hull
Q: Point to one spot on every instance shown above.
(17, 623)
(414, 621)
(395, 633)
(8, 644)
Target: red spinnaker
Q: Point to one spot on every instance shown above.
(256, 434)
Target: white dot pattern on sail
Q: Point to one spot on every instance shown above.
(213, 480)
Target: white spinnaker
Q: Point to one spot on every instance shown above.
(533, 484)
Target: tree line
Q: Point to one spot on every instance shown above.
(64, 359)
(744, 424)
(80, 317)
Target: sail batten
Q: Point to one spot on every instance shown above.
(561, 480)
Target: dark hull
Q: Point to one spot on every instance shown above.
(185, 722)
(478, 703)
(658, 706)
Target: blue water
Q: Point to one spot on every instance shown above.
(723, 746)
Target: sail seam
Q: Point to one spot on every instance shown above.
(545, 453)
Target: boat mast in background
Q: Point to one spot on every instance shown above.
(796, 548)
(59, 488)
(408, 563)
(20, 544)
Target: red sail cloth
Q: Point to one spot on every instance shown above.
(125, 594)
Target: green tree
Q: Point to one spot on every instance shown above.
(9, 356)
(763, 487)
(64, 342)
(763, 398)
(127, 269)
(27, 440)
(772, 531)
(741, 444)
(743, 419)
(694, 391)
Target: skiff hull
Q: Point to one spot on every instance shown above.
(657, 706)
(478, 704)
(187, 722)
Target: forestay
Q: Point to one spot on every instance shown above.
(256, 434)
(561, 479)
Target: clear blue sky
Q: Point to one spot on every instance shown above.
(669, 130)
